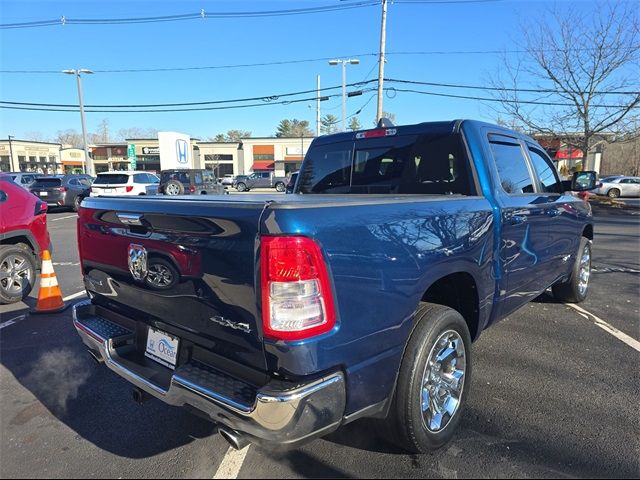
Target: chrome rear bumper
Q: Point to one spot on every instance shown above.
(277, 413)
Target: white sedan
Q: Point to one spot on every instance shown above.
(618, 186)
(125, 183)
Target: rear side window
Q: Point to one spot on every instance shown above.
(47, 183)
(549, 181)
(513, 171)
(197, 178)
(74, 182)
(112, 179)
(140, 178)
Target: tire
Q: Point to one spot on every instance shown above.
(613, 193)
(241, 187)
(17, 273)
(174, 187)
(280, 187)
(576, 288)
(438, 330)
(161, 274)
(76, 203)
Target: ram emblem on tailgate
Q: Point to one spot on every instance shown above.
(138, 261)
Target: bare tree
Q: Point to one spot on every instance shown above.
(584, 72)
(68, 137)
(35, 136)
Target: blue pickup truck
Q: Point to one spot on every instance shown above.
(282, 318)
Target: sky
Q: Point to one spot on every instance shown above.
(461, 26)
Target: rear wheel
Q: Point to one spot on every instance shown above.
(613, 193)
(433, 380)
(76, 203)
(576, 288)
(17, 273)
(280, 187)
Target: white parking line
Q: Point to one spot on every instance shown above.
(63, 218)
(632, 342)
(75, 295)
(13, 321)
(232, 463)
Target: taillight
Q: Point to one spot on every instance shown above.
(297, 302)
(377, 133)
(192, 188)
(41, 207)
(62, 189)
(129, 188)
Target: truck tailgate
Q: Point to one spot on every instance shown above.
(195, 270)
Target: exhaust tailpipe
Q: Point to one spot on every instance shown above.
(140, 396)
(236, 439)
(95, 357)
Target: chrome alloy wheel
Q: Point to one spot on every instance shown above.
(585, 270)
(443, 381)
(159, 276)
(15, 274)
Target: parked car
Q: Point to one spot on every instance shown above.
(292, 182)
(189, 182)
(25, 180)
(23, 237)
(244, 183)
(65, 191)
(360, 297)
(125, 183)
(227, 180)
(618, 186)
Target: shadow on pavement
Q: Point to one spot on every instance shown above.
(46, 356)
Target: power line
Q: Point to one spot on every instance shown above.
(228, 107)
(503, 89)
(485, 99)
(264, 98)
(63, 20)
(288, 62)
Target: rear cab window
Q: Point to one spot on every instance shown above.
(425, 164)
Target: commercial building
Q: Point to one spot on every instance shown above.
(29, 156)
(72, 160)
(278, 155)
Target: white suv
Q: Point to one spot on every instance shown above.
(125, 183)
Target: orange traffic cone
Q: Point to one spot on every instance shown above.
(49, 296)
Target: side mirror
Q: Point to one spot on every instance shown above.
(583, 181)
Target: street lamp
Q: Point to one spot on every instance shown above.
(11, 165)
(344, 62)
(88, 165)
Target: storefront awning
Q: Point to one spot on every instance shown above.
(263, 165)
(568, 154)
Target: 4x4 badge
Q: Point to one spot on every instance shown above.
(225, 322)
(137, 261)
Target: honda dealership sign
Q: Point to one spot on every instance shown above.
(175, 150)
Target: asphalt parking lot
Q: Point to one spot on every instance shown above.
(555, 394)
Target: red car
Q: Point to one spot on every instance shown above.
(23, 237)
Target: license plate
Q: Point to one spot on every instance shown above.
(44, 194)
(107, 190)
(162, 347)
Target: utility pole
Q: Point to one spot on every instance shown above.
(318, 110)
(383, 42)
(344, 62)
(88, 164)
(11, 165)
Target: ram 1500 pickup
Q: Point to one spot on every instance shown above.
(282, 318)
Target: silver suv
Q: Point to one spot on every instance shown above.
(24, 179)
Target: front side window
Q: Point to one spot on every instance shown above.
(513, 171)
(549, 181)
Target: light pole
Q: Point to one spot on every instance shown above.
(344, 62)
(88, 164)
(11, 165)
